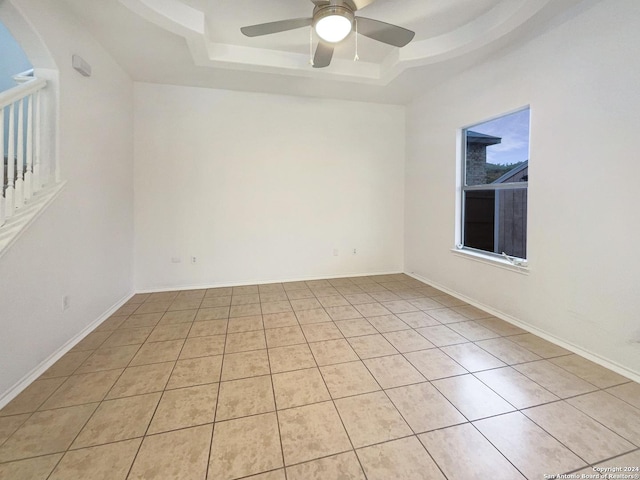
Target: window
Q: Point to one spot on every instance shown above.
(494, 185)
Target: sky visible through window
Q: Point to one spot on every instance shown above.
(514, 131)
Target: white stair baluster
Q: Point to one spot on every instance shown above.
(3, 177)
(28, 175)
(19, 193)
(11, 154)
(37, 184)
(57, 173)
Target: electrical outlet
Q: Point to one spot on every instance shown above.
(66, 302)
(355, 251)
(193, 259)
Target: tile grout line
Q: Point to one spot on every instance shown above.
(596, 420)
(135, 457)
(94, 411)
(90, 416)
(508, 365)
(404, 419)
(499, 451)
(332, 399)
(560, 399)
(275, 406)
(553, 436)
(637, 450)
(215, 411)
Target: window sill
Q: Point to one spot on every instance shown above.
(491, 260)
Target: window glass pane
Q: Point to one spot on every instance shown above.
(497, 151)
(479, 219)
(496, 221)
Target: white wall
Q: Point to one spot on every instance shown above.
(581, 80)
(263, 187)
(82, 245)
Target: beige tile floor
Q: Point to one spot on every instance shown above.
(373, 378)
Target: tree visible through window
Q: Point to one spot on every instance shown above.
(495, 181)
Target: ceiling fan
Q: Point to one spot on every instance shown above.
(333, 21)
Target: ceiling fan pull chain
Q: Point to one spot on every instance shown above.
(311, 46)
(356, 58)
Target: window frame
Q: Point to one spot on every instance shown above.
(484, 255)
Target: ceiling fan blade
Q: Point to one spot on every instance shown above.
(384, 32)
(275, 27)
(324, 53)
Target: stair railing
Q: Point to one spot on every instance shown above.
(20, 144)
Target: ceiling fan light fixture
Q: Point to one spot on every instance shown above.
(333, 23)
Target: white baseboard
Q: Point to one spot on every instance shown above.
(605, 362)
(174, 288)
(30, 377)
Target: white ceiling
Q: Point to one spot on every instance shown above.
(199, 43)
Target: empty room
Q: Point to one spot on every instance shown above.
(295, 240)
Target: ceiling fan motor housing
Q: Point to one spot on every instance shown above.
(324, 11)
